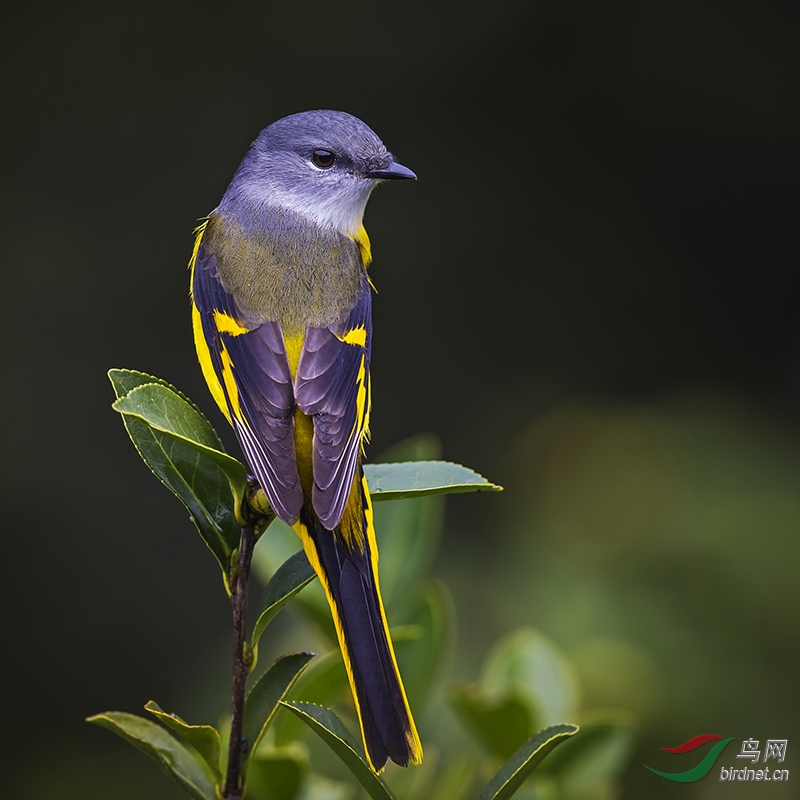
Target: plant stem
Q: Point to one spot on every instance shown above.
(233, 788)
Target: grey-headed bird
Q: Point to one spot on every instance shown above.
(281, 311)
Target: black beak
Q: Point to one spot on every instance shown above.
(393, 171)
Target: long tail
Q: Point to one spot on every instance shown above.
(347, 567)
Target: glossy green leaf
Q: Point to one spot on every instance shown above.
(158, 743)
(266, 693)
(164, 410)
(203, 738)
(277, 773)
(331, 730)
(193, 476)
(288, 580)
(513, 773)
(125, 380)
(420, 478)
(501, 723)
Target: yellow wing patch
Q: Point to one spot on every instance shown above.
(358, 338)
(200, 343)
(227, 324)
(204, 356)
(363, 401)
(224, 391)
(355, 336)
(231, 389)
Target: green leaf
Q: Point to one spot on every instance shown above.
(527, 665)
(422, 659)
(322, 684)
(500, 723)
(266, 693)
(164, 410)
(277, 545)
(319, 788)
(420, 478)
(125, 380)
(454, 779)
(587, 764)
(526, 682)
(202, 738)
(290, 578)
(331, 730)
(513, 773)
(277, 773)
(408, 533)
(163, 747)
(187, 467)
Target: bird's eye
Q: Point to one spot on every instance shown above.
(323, 158)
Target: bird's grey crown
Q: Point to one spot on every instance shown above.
(343, 134)
(279, 172)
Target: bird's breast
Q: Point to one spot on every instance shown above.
(280, 267)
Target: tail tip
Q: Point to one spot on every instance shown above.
(411, 756)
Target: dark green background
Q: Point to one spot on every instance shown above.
(590, 296)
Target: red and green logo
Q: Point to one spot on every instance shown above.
(704, 767)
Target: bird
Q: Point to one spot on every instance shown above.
(282, 322)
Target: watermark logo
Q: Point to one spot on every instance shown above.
(704, 767)
(774, 749)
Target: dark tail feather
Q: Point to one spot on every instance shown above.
(349, 576)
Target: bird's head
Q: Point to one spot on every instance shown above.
(320, 164)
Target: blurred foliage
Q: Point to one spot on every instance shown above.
(516, 709)
(526, 685)
(468, 730)
(642, 495)
(689, 512)
(659, 542)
